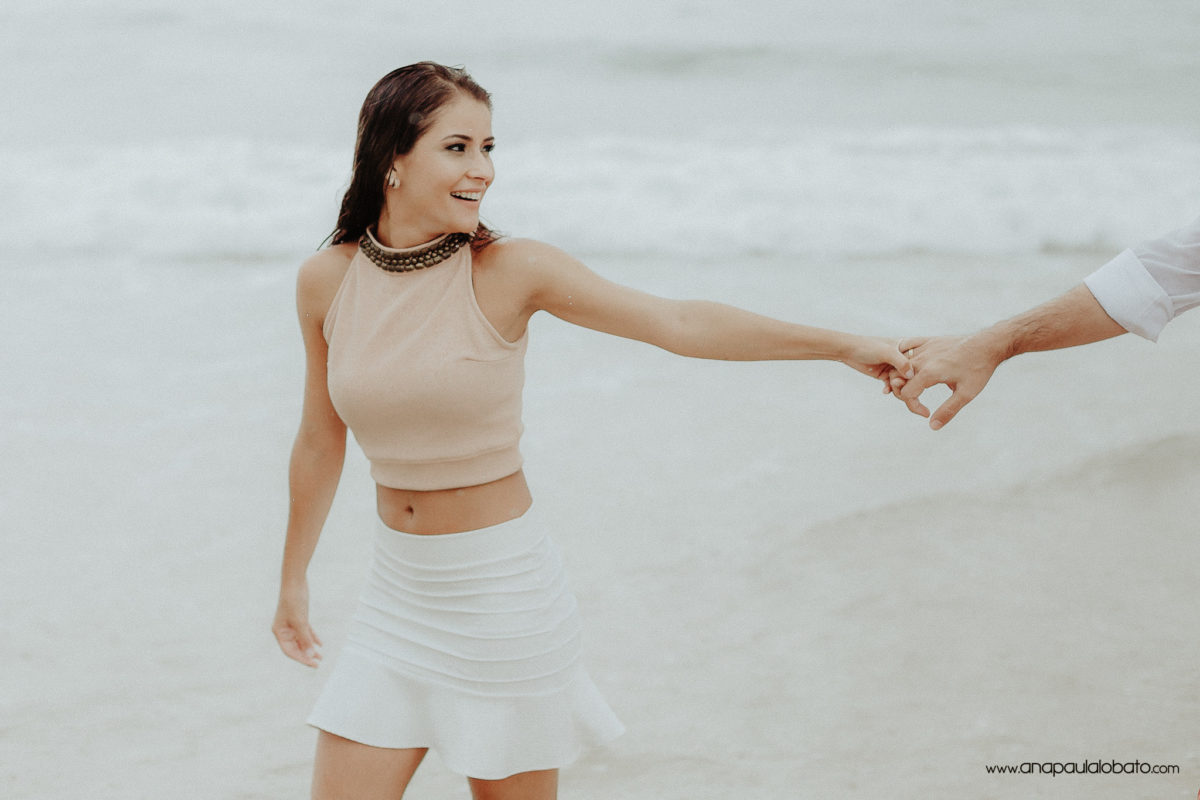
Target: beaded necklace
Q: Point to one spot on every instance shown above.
(415, 258)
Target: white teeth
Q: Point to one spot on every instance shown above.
(467, 195)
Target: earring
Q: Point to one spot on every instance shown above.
(392, 181)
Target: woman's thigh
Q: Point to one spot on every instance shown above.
(345, 769)
(540, 785)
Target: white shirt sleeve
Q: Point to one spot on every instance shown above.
(1146, 286)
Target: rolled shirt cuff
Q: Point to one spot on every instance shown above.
(1129, 295)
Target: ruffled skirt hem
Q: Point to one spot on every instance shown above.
(475, 736)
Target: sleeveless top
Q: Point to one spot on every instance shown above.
(429, 388)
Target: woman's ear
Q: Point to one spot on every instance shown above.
(394, 173)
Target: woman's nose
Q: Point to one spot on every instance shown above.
(482, 168)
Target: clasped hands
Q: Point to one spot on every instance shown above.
(963, 363)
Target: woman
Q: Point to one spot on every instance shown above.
(414, 322)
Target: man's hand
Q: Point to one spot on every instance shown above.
(966, 363)
(963, 363)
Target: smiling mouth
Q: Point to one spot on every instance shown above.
(474, 197)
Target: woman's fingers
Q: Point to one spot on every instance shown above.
(302, 647)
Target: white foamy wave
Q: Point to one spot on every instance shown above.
(848, 194)
(827, 193)
(198, 199)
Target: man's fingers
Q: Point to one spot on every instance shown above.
(919, 383)
(947, 410)
(915, 406)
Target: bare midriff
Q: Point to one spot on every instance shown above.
(454, 510)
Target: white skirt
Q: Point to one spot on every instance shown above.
(468, 644)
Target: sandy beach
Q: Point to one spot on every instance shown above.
(791, 587)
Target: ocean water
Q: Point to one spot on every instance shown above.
(797, 550)
(215, 128)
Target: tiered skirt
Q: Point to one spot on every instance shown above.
(468, 644)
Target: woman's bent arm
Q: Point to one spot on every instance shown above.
(312, 479)
(313, 476)
(316, 463)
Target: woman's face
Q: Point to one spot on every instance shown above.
(444, 177)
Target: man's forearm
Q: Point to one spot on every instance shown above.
(966, 364)
(1069, 320)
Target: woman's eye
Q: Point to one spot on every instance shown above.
(461, 147)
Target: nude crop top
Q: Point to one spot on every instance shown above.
(430, 390)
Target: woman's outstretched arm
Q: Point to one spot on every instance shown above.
(564, 287)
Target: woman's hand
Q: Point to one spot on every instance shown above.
(880, 359)
(296, 637)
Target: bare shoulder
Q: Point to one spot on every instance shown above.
(326, 266)
(521, 254)
(320, 276)
(527, 265)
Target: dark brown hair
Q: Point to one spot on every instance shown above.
(398, 109)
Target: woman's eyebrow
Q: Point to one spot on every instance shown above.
(464, 137)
